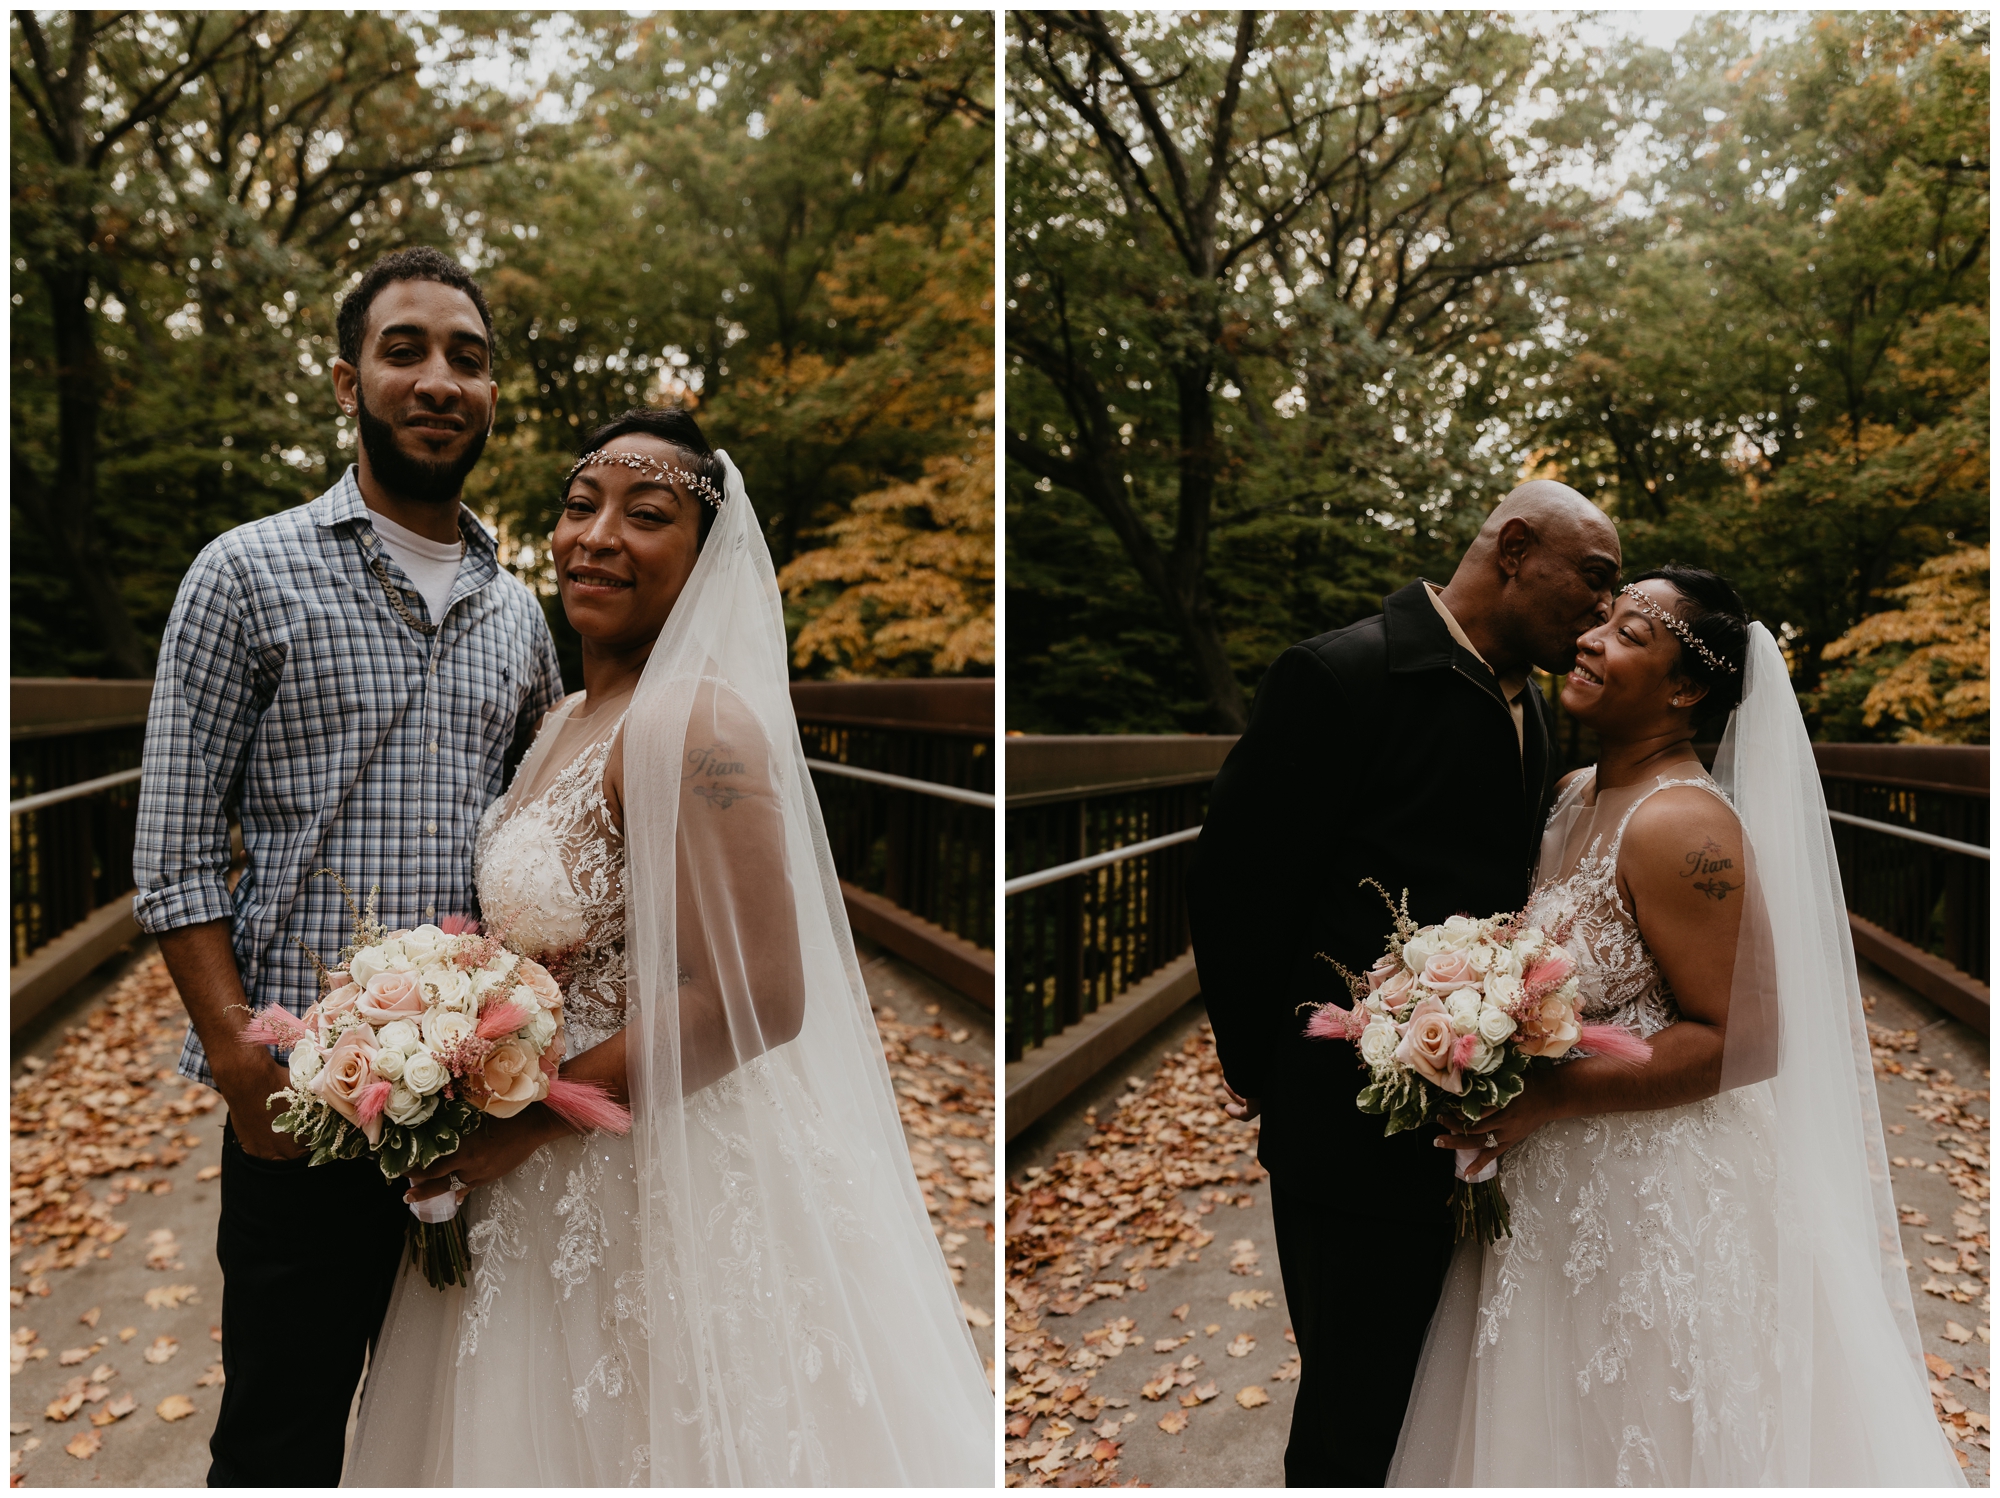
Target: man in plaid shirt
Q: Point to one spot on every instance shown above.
(353, 679)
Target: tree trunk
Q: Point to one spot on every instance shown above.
(67, 516)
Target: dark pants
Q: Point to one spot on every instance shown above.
(309, 1256)
(1361, 1286)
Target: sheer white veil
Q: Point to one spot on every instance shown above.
(803, 1325)
(1857, 1411)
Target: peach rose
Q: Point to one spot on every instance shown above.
(512, 1078)
(1448, 972)
(536, 977)
(349, 1067)
(1395, 989)
(1385, 967)
(339, 1000)
(1426, 1045)
(1551, 1031)
(391, 996)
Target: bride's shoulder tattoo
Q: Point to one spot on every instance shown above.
(713, 761)
(1711, 860)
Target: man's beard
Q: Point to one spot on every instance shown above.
(408, 478)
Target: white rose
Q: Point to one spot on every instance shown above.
(306, 1061)
(1486, 1058)
(449, 986)
(445, 1028)
(425, 942)
(1378, 1042)
(388, 1065)
(423, 1073)
(1504, 990)
(399, 1035)
(408, 1108)
(1420, 949)
(1495, 1025)
(1463, 1007)
(541, 1030)
(1480, 958)
(1459, 933)
(1527, 945)
(366, 964)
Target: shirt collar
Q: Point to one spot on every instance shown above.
(343, 502)
(1510, 686)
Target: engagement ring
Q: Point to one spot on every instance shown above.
(461, 1188)
(1492, 1143)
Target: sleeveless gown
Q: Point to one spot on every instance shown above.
(1625, 1334)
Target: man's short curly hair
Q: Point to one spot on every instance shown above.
(420, 264)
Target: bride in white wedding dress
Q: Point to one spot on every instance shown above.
(1704, 1284)
(745, 1290)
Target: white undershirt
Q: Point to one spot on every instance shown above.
(431, 565)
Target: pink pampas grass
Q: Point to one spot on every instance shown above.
(1331, 1022)
(1461, 1051)
(458, 925)
(501, 1019)
(587, 1105)
(1614, 1042)
(274, 1025)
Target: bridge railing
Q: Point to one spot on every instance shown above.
(904, 772)
(1099, 832)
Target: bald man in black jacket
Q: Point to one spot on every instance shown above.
(1408, 749)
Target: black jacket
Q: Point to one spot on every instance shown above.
(1386, 751)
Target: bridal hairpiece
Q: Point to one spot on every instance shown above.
(639, 463)
(1646, 605)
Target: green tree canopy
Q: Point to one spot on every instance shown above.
(783, 220)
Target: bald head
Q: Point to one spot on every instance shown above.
(1549, 510)
(1539, 573)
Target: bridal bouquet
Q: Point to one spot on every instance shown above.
(417, 1037)
(1449, 1021)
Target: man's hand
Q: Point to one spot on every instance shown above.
(493, 1149)
(1240, 1108)
(244, 1085)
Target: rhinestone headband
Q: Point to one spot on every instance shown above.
(652, 470)
(1646, 605)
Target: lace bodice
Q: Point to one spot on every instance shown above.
(551, 879)
(1620, 982)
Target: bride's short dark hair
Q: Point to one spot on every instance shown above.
(1712, 609)
(672, 424)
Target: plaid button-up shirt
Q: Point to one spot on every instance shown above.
(291, 691)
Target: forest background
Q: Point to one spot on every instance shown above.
(1292, 299)
(783, 220)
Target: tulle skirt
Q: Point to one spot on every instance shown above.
(1633, 1332)
(533, 1374)
(538, 1372)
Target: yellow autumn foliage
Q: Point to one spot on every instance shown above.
(913, 565)
(1939, 689)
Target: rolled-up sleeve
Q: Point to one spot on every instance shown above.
(204, 712)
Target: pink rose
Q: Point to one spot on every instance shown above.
(348, 1069)
(1448, 972)
(512, 1078)
(1551, 1029)
(537, 978)
(1388, 965)
(339, 1000)
(1427, 1044)
(392, 996)
(1395, 989)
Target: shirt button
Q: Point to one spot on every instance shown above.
(432, 746)
(431, 827)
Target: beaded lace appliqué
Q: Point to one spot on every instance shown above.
(552, 876)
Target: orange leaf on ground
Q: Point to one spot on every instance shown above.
(208, 1172)
(1953, 1332)
(212, 1379)
(163, 1348)
(1173, 1424)
(84, 1444)
(1251, 1396)
(174, 1407)
(89, 1317)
